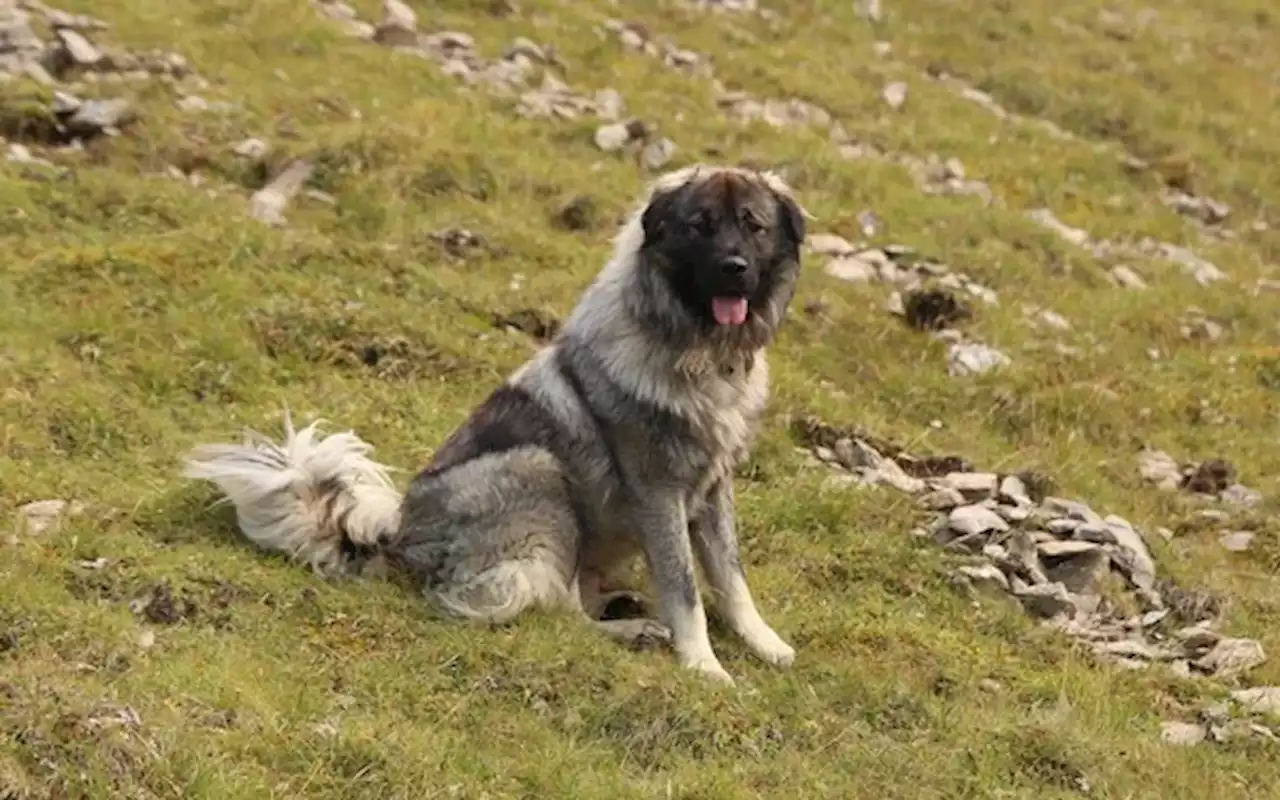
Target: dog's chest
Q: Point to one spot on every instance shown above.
(722, 411)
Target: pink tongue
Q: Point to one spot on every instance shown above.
(729, 310)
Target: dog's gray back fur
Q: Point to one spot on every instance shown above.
(611, 440)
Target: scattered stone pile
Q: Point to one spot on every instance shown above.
(1215, 478)
(455, 52)
(634, 36)
(923, 296)
(1199, 208)
(1245, 716)
(56, 49)
(1200, 270)
(1089, 575)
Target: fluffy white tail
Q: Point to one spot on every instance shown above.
(317, 499)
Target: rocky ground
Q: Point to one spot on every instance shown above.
(1015, 504)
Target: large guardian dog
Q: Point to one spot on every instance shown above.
(618, 439)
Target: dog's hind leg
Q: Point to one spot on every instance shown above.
(493, 536)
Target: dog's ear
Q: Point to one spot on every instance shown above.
(791, 216)
(659, 213)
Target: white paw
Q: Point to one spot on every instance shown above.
(768, 645)
(708, 666)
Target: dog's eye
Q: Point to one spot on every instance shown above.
(752, 224)
(701, 225)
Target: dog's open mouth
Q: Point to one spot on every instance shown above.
(729, 310)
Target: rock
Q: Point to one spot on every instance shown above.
(968, 520)
(612, 137)
(941, 500)
(1141, 567)
(268, 203)
(1065, 549)
(1014, 513)
(399, 26)
(1182, 734)
(252, 149)
(1024, 559)
(1128, 648)
(973, 359)
(1062, 526)
(1082, 573)
(870, 10)
(985, 577)
(39, 516)
(827, 244)
(78, 48)
(972, 485)
(1049, 220)
(100, 116)
(895, 94)
(1237, 541)
(851, 268)
(1231, 657)
(1070, 509)
(609, 104)
(65, 104)
(1048, 600)
(1262, 700)
(1159, 468)
(656, 154)
(1014, 490)
(894, 305)
(1241, 496)
(1126, 278)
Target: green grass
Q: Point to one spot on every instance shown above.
(142, 315)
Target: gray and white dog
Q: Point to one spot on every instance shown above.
(617, 439)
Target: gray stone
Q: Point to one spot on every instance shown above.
(1126, 278)
(1047, 600)
(79, 48)
(1065, 549)
(1237, 541)
(101, 116)
(252, 149)
(974, 358)
(1260, 700)
(613, 137)
(895, 94)
(1014, 490)
(658, 153)
(1182, 734)
(268, 203)
(1014, 513)
(1142, 568)
(40, 516)
(1159, 468)
(985, 576)
(1072, 509)
(1241, 496)
(973, 485)
(399, 26)
(851, 268)
(1062, 526)
(827, 244)
(1231, 657)
(968, 520)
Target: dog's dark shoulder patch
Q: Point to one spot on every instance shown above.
(507, 419)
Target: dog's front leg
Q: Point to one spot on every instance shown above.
(716, 541)
(664, 526)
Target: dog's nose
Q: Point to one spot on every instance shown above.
(734, 265)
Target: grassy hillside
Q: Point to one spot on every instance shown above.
(145, 652)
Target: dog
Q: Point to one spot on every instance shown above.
(618, 439)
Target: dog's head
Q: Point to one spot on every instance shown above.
(726, 243)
